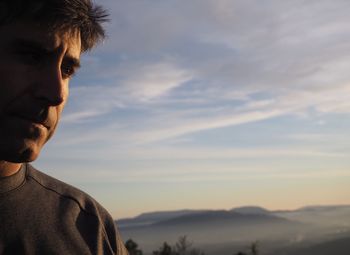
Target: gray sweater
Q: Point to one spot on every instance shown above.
(41, 215)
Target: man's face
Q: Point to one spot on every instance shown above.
(35, 68)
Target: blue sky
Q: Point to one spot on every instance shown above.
(211, 104)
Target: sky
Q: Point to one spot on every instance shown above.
(210, 104)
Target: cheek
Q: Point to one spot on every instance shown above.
(6, 87)
(13, 82)
(58, 113)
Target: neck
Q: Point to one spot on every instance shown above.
(8, 168)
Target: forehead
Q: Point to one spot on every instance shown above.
(67, 41)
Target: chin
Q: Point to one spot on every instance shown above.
(22, 157)
(29, 155)
(25, 152)
(31, 151)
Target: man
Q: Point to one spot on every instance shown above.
(40, 46)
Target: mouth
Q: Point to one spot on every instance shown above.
(42, 123)
(34, 113)
(39, 124)
(40, 120)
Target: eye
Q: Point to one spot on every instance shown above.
(67, 71)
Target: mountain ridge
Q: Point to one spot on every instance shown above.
(249, 209)
(240, 226)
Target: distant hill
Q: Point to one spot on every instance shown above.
(208, 227)
(251, 210)
(220, 217)
(332, 215)
(325, 216)
(324, 208)
(154, 217)
(311, 230)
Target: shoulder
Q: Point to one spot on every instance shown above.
(84, 202)
(64, 190)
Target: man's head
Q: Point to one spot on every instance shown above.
(40, 47)
(79, 15)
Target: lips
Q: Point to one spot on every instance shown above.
(33, 119)
(34, 110)
(43, 116)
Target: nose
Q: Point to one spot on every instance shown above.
(51, 87)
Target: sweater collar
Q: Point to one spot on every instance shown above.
(14, 181)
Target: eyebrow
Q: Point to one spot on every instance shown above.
(23, 43)
(72, 61)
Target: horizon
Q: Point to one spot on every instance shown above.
(196, 104)
(238, 207)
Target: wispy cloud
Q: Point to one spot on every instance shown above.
(156, 124)
(148, 81)
(223, 51)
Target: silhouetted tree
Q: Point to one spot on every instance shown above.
(132, 247)
(164, 250)
(181, 247)
(253, 249)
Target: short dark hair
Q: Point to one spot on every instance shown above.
(81, 15)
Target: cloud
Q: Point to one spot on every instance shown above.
(148, 81)
(176, 68)
(154, 124)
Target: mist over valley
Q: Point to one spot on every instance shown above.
(317, 230)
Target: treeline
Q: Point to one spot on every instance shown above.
(182, 247)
